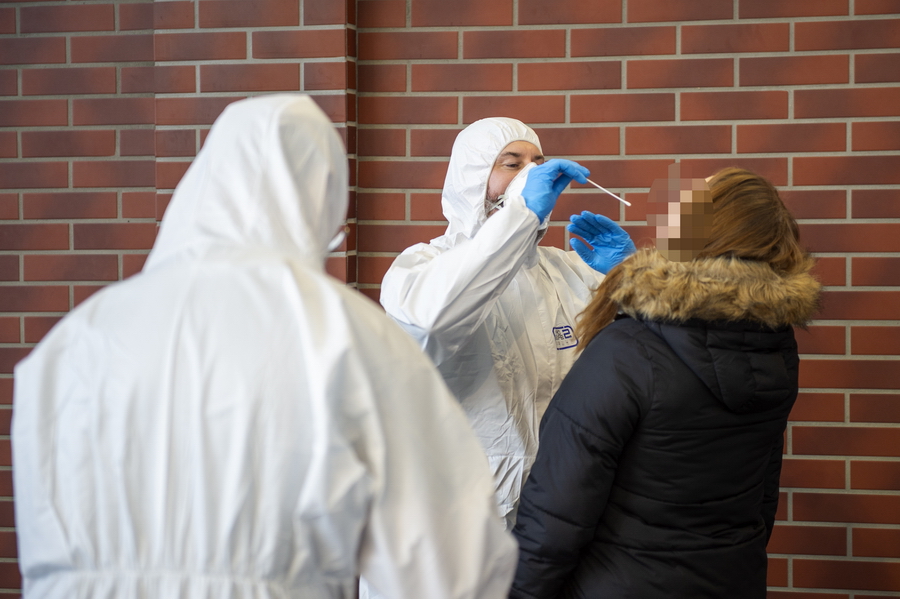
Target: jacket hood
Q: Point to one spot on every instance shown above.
(272, 174)
(474, 152)
(727, 319)
(728, 289)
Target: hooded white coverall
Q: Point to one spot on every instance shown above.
(494, 311)
(232, 423)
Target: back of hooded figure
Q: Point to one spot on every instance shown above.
(233, 423)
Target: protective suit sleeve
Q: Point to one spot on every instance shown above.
(433, 528)
(441, 295)
(585, 428)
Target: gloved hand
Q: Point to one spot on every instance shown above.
(611, 244)
(546, 181)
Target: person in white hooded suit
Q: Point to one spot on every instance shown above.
(231, 422)
(494, 310)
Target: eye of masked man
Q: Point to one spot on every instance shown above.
(495, 311)
(514, 158)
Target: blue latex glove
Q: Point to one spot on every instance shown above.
(611, 244)
(546, 181)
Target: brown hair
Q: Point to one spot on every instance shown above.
(750, 222)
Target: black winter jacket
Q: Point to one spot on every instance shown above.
(657, 473)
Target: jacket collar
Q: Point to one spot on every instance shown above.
(709, 289)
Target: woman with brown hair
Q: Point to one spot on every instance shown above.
(657, 473)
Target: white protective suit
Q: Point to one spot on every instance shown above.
(232, 423)
(493, 310)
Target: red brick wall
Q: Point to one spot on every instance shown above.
(806, 93)
(102, 106)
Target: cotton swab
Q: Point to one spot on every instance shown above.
(609, 192)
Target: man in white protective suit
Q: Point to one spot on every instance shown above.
(495, 311)
(231, 422)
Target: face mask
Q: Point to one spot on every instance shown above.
(491, 206)
(514, 188)
(338, 240)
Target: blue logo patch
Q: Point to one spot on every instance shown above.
(565, 337)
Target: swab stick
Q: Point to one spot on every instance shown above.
(609, 192)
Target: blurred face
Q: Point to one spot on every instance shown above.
(681, 212)
(511, 160)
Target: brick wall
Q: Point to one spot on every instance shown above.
(103, 105)
(806, 93)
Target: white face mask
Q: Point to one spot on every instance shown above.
(514, 188)
(491, 206)
(337, 241)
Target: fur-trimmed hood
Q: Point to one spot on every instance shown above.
(712, 289)
(727, 319)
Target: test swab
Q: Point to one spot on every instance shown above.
(609, 192)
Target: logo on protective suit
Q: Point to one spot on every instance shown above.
(565, 337)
